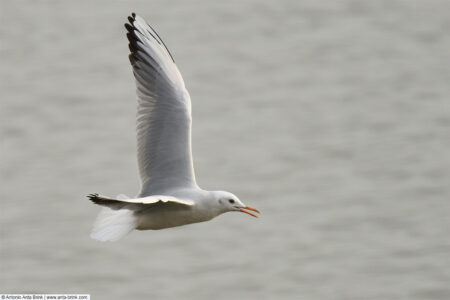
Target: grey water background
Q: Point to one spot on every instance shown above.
(331, 117)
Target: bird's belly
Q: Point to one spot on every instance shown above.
(159, 219)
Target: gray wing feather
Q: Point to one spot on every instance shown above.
(163, 115)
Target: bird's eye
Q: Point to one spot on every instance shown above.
(231, 201)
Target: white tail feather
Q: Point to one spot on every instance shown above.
(112, 225)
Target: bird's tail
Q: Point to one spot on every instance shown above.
(113, 224)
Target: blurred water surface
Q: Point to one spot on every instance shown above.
(331, 117)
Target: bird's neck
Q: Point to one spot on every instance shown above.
(211, 204)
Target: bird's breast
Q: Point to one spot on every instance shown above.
(160, 218)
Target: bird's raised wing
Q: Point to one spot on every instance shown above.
(163, 114)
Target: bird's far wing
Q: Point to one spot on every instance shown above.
(119, 203)
(161, 198)
(163, 114)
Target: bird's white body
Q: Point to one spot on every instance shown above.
(169, 193)
(165, 216)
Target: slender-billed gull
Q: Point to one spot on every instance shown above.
(169, 194)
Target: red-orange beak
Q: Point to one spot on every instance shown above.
(242, 209)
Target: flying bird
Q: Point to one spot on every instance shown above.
(169, 194)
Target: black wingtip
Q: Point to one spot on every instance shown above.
(132, 38)
(132, 42)
(93, 197)
(128, 27)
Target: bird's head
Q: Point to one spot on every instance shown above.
(228, 202)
